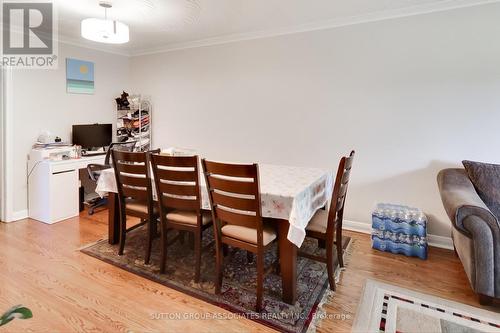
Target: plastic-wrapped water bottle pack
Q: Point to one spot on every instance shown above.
(399, 229)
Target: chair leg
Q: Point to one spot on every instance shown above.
(163, 245)
(322, 243)
(219, 262)
(97, 204)
(225, 249)
(123, 232)
(340, 250)
(197, 254)
(278, 261)
(149, 244)
(485, 300)
(260, 280)
(191, 239)
(329, 266)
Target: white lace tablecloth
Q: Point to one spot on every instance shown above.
(290, 193)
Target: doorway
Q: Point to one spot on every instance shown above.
(2, 144)
(5, 76)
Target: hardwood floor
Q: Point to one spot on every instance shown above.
(42, 268)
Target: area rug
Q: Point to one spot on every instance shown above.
(387, 308)
(239, 288)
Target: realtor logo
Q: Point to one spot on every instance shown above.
(28, 35)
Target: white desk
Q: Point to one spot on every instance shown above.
(53, 188)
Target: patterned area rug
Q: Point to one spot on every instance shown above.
(387, 308)
(238, 290)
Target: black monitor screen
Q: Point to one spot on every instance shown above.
(92, 136)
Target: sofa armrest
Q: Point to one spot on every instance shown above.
(486, 242)
(461, 200)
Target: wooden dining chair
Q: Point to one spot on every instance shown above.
(178, 188)
(94, 170)
(135, 195)
(236, 208)
(326, 226)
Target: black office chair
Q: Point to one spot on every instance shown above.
(94, 170)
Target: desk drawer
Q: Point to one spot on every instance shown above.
(61, 168)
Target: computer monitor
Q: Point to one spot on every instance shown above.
(92, 136)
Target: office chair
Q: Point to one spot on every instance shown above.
(94, 170)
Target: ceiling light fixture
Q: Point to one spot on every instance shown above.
(105, 31)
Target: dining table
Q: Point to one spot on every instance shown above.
(290, 196)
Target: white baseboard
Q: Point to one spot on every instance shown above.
(16, 216)
(440, 241)
(366, 228)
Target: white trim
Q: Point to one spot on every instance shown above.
(440, 241)
(83, 43)
(18, 215)
(443, 5)
(79, 43)
(363, 227)
(9, 145)
(2, 144)
(7, 148)
(366, 228)
(7, 151)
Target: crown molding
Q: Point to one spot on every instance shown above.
(443, 5)
(79, 43)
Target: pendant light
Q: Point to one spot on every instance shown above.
(104, 30)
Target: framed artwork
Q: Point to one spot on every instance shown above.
(79, 76)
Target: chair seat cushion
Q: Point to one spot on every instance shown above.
(139, 207)
(319, 222)
(188, 217)
(248, 235)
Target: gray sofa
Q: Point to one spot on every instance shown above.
(475, 233)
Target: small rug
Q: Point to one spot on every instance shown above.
(387, 308)
(239, 286)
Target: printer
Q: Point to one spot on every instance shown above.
(53, 153)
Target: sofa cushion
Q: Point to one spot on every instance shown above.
(486, 180)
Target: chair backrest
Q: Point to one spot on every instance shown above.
(234, 195)
(336, 212)
(177, 182)
(132, 176)
(122, 146)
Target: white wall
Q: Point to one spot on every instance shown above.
(40, 102)
(411, 95)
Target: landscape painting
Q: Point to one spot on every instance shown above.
(79, 76)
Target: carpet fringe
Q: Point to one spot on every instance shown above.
(330, 294)
(83, 247)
